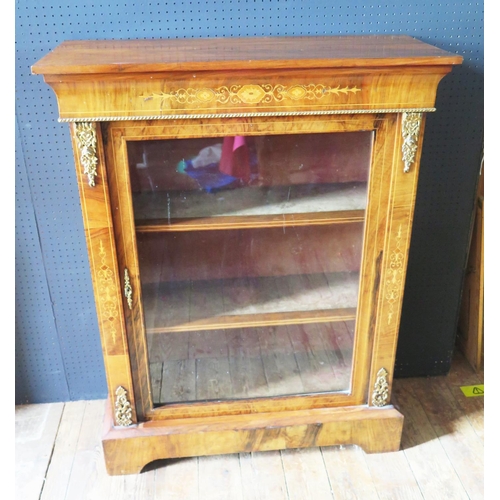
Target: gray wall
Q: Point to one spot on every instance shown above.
(58, 355)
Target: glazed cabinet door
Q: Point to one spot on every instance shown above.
(255, 260)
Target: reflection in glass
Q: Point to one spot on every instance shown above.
(265, 175)
(249, 255)
(251, 362)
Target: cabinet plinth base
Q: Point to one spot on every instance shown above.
(128, 450)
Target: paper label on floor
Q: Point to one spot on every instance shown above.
(473, 390)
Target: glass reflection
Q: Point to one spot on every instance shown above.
(249, 254)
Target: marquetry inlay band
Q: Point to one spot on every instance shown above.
(245, 115)
(394, 282)
(106, 291)
(381, 388)
(250, 93)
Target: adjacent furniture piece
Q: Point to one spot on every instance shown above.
(247, 205)
(470, 338)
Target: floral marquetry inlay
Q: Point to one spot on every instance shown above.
(394, 282)
(106, 288)
(251, 93)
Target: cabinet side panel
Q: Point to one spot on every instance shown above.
(402, 193)
(103, 266)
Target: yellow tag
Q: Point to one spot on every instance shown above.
(473, 390)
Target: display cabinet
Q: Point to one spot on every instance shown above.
(247, 205)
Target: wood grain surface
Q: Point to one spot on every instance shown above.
(161, 78)
(133, 56)
(236, 273)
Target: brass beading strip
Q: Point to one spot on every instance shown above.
(246, 115)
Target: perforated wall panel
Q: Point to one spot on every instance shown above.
(39, 366)
(58, 354)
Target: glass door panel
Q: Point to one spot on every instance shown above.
(261, 176)
(257, 362)
(249, 256)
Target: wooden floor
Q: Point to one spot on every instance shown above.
(59, 457)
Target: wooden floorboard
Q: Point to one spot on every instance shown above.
(59, 457)
(36, 430)
(262, 476)
(65, 447)
(176, 479)
(423, 450)
(305, 474)
(348, 472)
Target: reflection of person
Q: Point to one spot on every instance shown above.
(220, 165)
(235, 158)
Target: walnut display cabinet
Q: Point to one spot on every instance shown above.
(247, 205)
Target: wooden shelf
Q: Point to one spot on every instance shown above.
(260, 320)
(250, 207)
(249, 222)
(250, 302)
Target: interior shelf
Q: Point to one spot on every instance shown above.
(253, 206)
(259, 320)
(249, 222)
(250, 302)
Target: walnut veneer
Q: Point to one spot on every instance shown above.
(247, 205)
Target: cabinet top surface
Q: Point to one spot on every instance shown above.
(140, 56)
